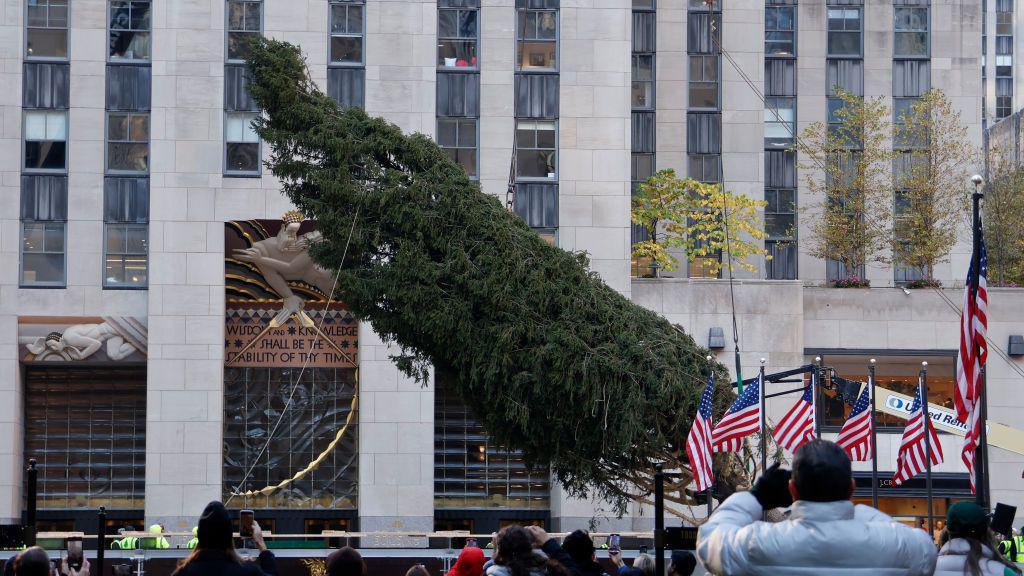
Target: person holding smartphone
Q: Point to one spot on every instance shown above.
(215, 553)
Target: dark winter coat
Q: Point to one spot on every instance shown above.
(217, 563)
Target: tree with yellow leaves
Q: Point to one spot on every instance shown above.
(932, 190)
(704, 221)
(847, 165)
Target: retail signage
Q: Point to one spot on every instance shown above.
(279, 306)
(942, 417)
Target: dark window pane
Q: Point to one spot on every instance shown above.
(643, 94)
(347, 49)
(243, 157)
(911, 44)
(446, 132)
(467, 133)
(129, 157)
(46, 43)
(238, 44)
(535, 163)
(703, 94)
(844, 43)
(43, 269)
(45, 155)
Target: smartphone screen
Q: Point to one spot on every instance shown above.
(614, 542)
(245, 520)
(75, 553)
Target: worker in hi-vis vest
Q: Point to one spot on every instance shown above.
(125, 542)
(156, 541)
(1013, 548)
(191, 545)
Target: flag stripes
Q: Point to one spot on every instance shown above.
(742, 420)
(698, 441)
(797, 427)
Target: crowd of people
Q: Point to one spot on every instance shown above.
(822, 532)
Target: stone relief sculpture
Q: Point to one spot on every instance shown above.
(286, 257)
(118, 337)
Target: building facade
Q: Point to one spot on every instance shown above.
(137, 202)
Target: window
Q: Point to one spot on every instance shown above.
(129, 30)
(780, 226)
(127, 142)
(473, 472)
(458, 137)
(705, 167)
(536, 94)
(535, 149)
(47, 32)
(703, 82)
(1004, 65)
(779, 121)
(844, 31)
(902, 108)
(244, 24)
(537, 43)
(704, 33)
(643, 81)
(126, 255)
(347, 33)
(46, 135)
(642, 167)
(345, 85)
(1004, 97)
(911, 32)
(88, 433)
(643, 130)
(42, 254)
(780, 31)
(703, 133)
(705, 5)
(840, 127)
(457, 34)
(241, 143)
(1004, 23)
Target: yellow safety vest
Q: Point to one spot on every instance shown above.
(157, 543)
(126, 543)
(1013, 549)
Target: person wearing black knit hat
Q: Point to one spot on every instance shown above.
(215, 554)
(581, 548)
(345, 562)
(968, 548)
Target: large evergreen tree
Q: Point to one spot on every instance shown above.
(552, 360)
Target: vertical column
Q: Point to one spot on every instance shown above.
(396, 414)
(186, 286)
(644, 120)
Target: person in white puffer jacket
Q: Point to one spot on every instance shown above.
(967, 545)
(825, 534)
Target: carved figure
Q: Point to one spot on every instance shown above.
(80, 341)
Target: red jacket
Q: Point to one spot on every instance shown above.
(470, 563)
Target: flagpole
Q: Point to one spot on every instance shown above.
(764, 431)
(874, 438)
(927, 425)
(711, 370)
(814, 396)
(981, 450)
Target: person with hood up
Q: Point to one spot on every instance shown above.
(530, 552)
(469, 563)
(215, 552)
(579, 546)
(825, 532)
(968, 548)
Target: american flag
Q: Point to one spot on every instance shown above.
(797, 426)
(698, 442)
(972, 357)
(855, 437)
(910, 461)
(742, 420)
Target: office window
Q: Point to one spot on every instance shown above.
(47, 33)
(703, 82)
(457, 34)
(46, 135)
(704, 33)
(537, 43)
(125, 263)
(1004, 44)
(643, 81)
(458, 136)
(911, 32)
(642, 134)
(780, 169)
(345, 85)
(704, 167)
(1004, 23)
(844, 31)
(536, 145)
(902, 108)
(129, 30)
(46, 85)
(779, 77)
(42, 254)
(242, 145)
(127, 142)
(845, 74)
(838, 128)
(705, 5)
(1004, 97)
(644, 32)
(129, 87)
(910, 78)
(641, 167)
(704, 133)
(780, 30)
(780, 226)
(347, 33)
(537, 205)
(244, 24)
(1004, 65)
(779, 120)
(536, 94)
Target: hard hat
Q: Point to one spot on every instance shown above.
(195, 531)
(155, 529)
